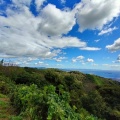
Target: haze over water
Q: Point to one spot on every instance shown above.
(115, 75)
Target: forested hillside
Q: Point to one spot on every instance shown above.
(52, 94)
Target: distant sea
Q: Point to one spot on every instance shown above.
(112, 74)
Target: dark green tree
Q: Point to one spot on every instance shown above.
(1, 62)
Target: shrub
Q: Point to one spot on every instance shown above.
(43, 104)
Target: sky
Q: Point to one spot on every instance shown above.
(79, 34)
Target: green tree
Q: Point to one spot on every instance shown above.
(95, 104)
(1, 62)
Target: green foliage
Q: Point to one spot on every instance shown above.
(52, 76)
(84, 115)
(38, 104)
(6, 85)
(15, 118)
(96, 79)
(51, 94)
(95, 104)
(111, 96)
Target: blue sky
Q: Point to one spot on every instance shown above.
(80, 34)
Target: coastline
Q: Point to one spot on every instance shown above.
(110, 74)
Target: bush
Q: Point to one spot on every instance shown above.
(95, 104)
(43, 104)
(6, 85)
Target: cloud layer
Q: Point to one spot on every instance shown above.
(22, 34)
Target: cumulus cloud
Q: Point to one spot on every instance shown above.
(94, 14)
(118, 59)
(90, 48)
(81, 59)
(109, 30)
(39, 63)
(19, 61)
(90, 60)
(115, 46)
(24, 35)
(59, 59)
(55, 21)
(39, 3)
(78, 58)
(63, 42)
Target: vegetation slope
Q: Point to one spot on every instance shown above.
(52, 94)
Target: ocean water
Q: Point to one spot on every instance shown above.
(112, 74)
(115, 75)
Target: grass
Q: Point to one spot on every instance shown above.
(6, 110)
(4, 106)
(98, 81)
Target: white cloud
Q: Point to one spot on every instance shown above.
(74, 60)
(19, 34)
(115, 46)
(24, 35)
(90, 48)
(59, 59)
(6, 56)
(82, 60)
(94, 14)
(118, 59)
(21, 2)
(30, 59)
(55, 22)
(113, 66)
(90, 60)
(24, 60)
(39, 3)
(109, 30)
(78, 58)
(62, 42)
(39, 63)
(97, 40)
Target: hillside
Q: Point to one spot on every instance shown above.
(53, 94)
